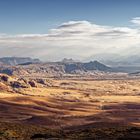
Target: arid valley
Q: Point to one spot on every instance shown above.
(70, 103)
(69, 69)
(77, 106)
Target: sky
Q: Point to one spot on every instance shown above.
(79, 29)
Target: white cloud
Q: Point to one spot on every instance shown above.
(136, 21)
(77, 39)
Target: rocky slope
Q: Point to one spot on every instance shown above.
(13, 84)
(89, 66)
(23, 132)
(53, 68)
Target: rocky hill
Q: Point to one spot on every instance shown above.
(89, 66)
(55, 68)
(13, 84)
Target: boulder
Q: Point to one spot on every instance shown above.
(32, 83)
(4, 78)
(17, 84)
(41, 81)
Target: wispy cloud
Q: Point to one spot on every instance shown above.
(77, 39)
(136, 21)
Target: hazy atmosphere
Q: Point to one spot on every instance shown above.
(69, 69)
(80, 29)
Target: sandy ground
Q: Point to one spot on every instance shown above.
(74, 104)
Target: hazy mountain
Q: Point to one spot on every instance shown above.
(89, 66)
(67, 66)
(116, 60)
(66, 60)
(107, 63)
(17, 60)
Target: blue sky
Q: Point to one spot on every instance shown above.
(37, 16)
(78, 29)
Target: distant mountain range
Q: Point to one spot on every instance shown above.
(66, 66)
(17, 60)
(116, 60)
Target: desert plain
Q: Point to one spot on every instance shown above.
(74, 104)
